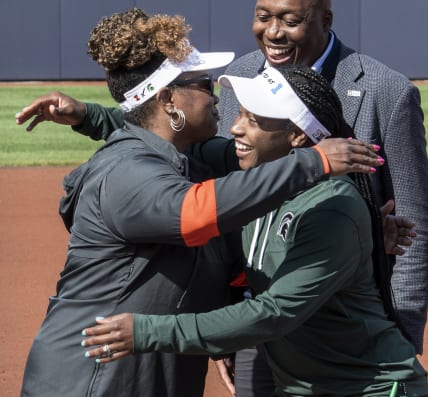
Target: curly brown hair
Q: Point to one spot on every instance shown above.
(131, 39)
(131, 45)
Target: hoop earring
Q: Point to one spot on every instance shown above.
(177, 119)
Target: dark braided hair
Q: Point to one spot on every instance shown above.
(321, 99)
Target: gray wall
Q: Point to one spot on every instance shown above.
(46, 39)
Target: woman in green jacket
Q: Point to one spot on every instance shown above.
(321, 306)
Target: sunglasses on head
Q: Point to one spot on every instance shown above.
(203, 83)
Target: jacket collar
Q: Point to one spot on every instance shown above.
(165, 149)
(330, 65)
(346, 64)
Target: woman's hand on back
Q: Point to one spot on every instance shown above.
(398, 231)
(350, 155)
(112, 338)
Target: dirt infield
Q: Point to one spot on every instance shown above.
(33, 246)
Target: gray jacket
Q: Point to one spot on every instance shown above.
(383, 107)
(145, 238)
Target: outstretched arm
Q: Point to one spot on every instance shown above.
(56, 107)
(198, 212)
(89, 119)
(302, 284)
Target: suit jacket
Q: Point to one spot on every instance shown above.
(383, 107)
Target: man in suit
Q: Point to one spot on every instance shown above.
(382, 106)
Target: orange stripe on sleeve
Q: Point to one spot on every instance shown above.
(324, 159)
(199, 214)
(239, 281)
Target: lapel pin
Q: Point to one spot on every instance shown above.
(355, 93)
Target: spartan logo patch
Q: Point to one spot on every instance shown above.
(284, 225)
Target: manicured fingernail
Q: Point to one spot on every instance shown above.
(350, 138)
(83, 333)
(97, 360)
(99, 318)
(376, 147)
(372, 170)
(380, 159)
(87, 354)
(82, 343)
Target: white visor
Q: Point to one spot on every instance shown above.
(270, 95)
(168, 71)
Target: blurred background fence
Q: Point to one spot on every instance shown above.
(46, 39)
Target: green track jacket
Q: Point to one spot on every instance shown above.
(316, 310)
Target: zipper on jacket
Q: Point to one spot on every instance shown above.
(186, 168)
(191, 278)
(93, 379)
(130, 270)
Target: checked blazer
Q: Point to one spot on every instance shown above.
(383, 107)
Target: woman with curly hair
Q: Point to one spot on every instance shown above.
(151, 231)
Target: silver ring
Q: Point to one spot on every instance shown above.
(107, 351)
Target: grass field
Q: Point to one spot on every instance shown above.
(53, 144)
(48, 143)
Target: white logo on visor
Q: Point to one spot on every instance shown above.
(145, 91)
(271, 81)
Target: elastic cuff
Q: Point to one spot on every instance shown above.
(137, 332)
(325, 163)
